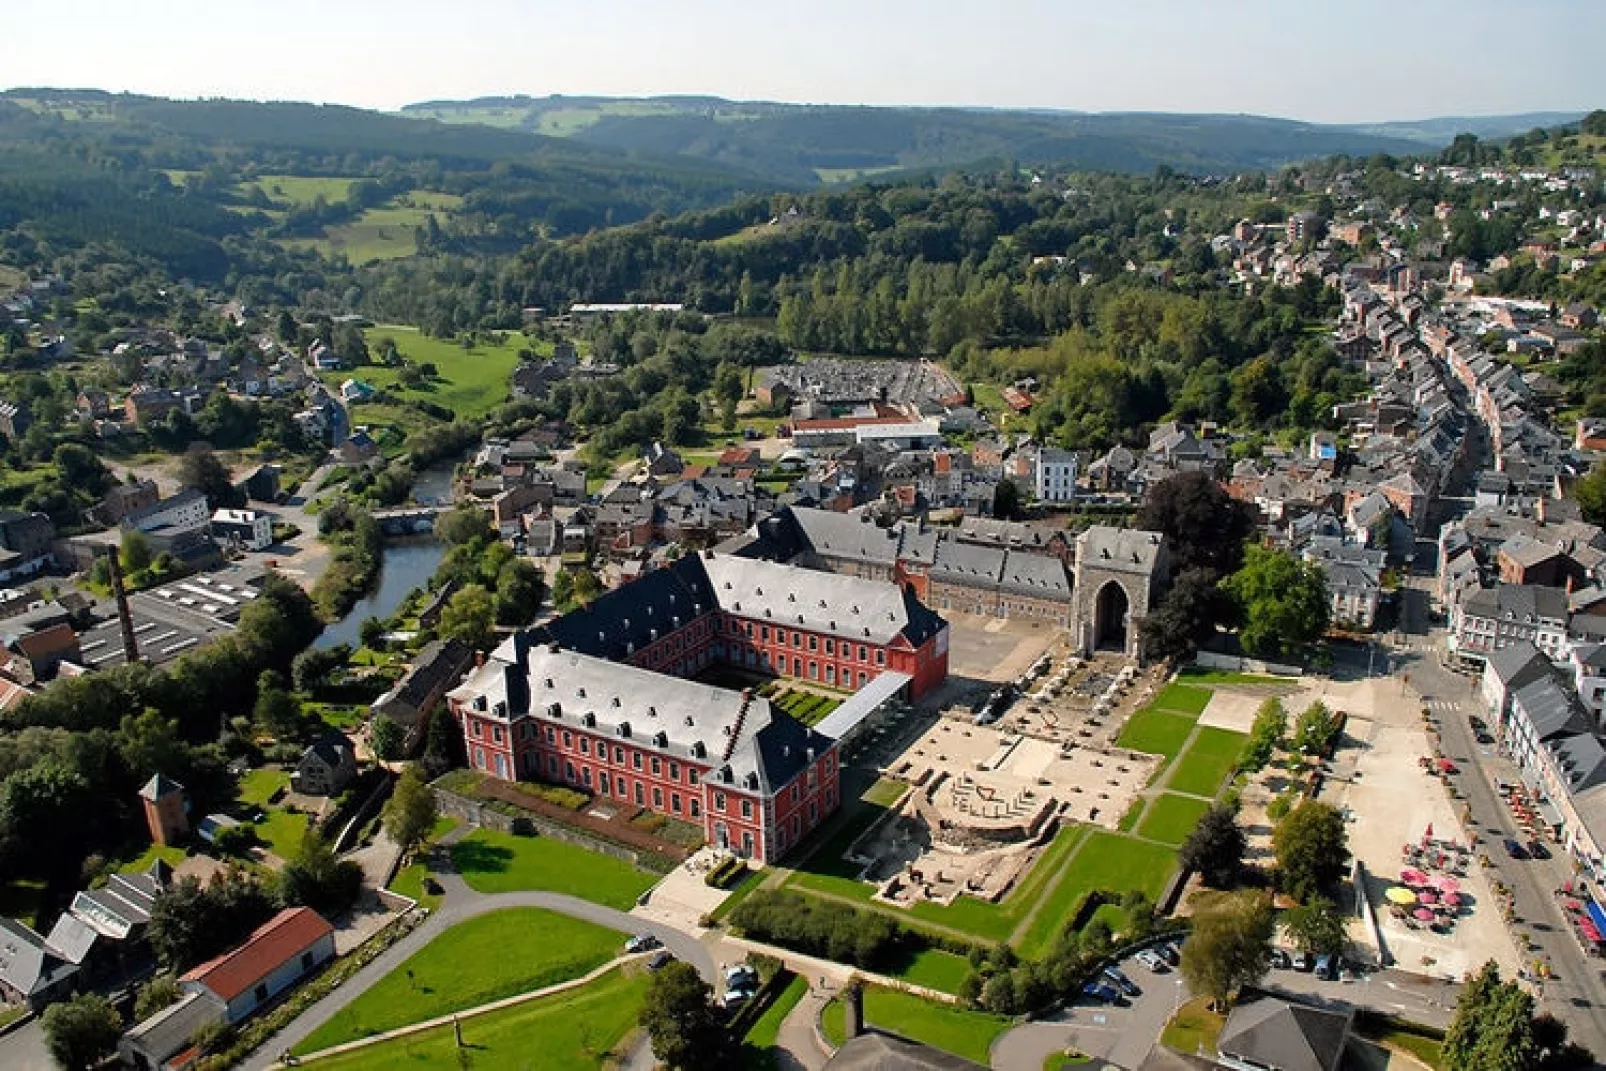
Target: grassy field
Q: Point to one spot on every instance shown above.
(1201, 675)
(1171, 818)
(471, 382)
(573, 1031)
(287, 191)
(1194, 1028)
(934, 969)
(282, 832)
(1206, 763)
(969, 1034)
(1183, 698)
(831, 175)
(494, 862)
(766, 1029)
(1156, 732)
(1107, 861)
(170, 854)
(259, 785)
(409, 880)
(475, 962)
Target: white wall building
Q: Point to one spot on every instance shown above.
(1054, 475)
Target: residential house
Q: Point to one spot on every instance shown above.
(1354, 580)
(186, 510)
(1054, 475)
(326, 767)
(357, 449)
(277, 955)
(31, 972)
(438, 668)
(1490, 619)
(246, 528)
(126, 498)
(1271, 1034)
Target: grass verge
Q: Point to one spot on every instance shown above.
(494, 862)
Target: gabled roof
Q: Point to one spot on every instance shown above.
(26, 965)
(1518, 665)
(1550, 709)
(274, 943)
(1290, 1037)
(158, 786)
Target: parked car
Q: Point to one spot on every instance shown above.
(1302, 961)
(1102, 993)
(1328, 967)
(659, 961)
(1171, 953)
(1280, 959)
(1152, 960)
(1514, 849)
(1537, 849)
(741, 976)
(1122, 982)
(642, 942)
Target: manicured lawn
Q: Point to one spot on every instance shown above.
(573, 1031)
(1155, 732)
(1107, 861)
(259, 785)
(471, 382)
(169, 854)
(1171, 818)
(1204, 766)
(942, 1026)
(494, 862)
(282, 832)
(1194, 1029)
(1200, 675)
(934, 969)
(409, 882)
(768, 1027)
(1183, 698)
(475, 962)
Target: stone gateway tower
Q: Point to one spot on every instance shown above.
(1120, 576)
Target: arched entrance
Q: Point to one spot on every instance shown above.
(1110, 609)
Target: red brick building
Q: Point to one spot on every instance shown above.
(601, 699)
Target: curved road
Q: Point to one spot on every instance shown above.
(463, 903)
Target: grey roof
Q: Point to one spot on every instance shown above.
(876, 1051)
(1120, 550)
(677, 717)
(169, 1030)
(1290, 1037)
(845, 606)
(158, 786)
(1518, 665)
(967, 564)
(1550, 709)
(842, 535)
(1036, 574)
(26, 965)
(71, 938)
(1581, 759)
(1518, 602)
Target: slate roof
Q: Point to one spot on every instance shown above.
(1518, 665)
(158, 786)
(884, 1052)
(26, 965)
(1290, 1037)
(1550, 709)
(1119, 550)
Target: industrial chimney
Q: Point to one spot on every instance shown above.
(114, 571)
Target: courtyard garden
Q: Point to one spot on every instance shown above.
(965, 1033)
(493, 862)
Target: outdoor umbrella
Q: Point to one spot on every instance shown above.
(1572, 905)
(1445, 883)
(1427, 898)
(1423, 915)
(1427, 834)
(1400, 895)
(1412, 876)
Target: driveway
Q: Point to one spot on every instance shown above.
(1119, 1035)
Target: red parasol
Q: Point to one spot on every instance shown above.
(1445, 883)
(1426, 897)
(1423, 914)
(1427, 834)
(1413, 876)
(1452, 899)
(1572, 905)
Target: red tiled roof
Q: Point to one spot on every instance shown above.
(284, 936)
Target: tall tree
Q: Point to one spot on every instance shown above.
(1283, 602)
(319, 879)
(1203, 525)
(680, 1017)
(1312, 846)
(1215, 848)
(1230, 946)
(1266, 734)
(1316, 730)
(201, 469)
(1316, 927)
(411, 810)
(468, 616)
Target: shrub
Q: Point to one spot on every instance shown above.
(835, 931)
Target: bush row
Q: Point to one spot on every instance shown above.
(835, 931)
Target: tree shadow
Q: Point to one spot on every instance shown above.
(474, 856)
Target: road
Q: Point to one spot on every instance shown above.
(1576, 993)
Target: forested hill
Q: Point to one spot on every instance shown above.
(174, 180)
(827, 143)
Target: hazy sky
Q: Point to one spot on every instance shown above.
(1329, 60)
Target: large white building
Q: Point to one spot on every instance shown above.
(183, 511)
(249, 528)
(1054, 475)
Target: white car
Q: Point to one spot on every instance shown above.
(1152, 960)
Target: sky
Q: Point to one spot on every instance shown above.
(1318, 60)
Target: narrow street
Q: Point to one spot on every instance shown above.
(1575, 993)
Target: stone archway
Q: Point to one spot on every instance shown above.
(1111, 609)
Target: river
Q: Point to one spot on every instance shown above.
(406, 566)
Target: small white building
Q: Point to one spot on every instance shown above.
(1054, 475)
(277, 955)
(250, 529)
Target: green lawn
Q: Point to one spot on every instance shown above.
(1183, 698)
(1194, 1028)
(289, 190)
(382, 233)
(1205, 765)
(471, 383)
(942, 1026)
(282, 832)
(494, 862)
(758, 1049)
(1107, 861)
(1201, 675)
(934, 969)
(259, 785)
(409, 882)
(1155, 732)
(574, 1031)
(170, 854)
(1171, 818)
(475, 962)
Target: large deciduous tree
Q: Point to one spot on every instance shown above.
(1312, 846)
(1282, 601)
(411, 811)
(81, 1032)
(1316, 927)
(1204, 526)
(468, 616)
(1230, 946)
(1495, 1029)
(680, 1018)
